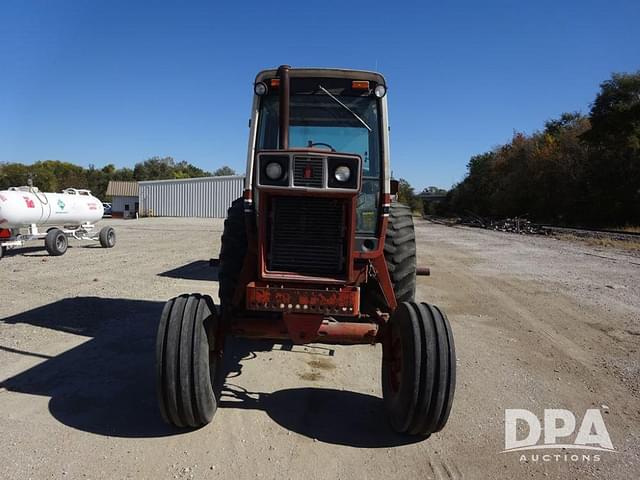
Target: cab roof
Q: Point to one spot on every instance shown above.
(324, 73)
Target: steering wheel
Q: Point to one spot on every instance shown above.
(311, 145)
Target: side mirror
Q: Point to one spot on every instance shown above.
(395, 186)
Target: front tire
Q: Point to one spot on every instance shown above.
(418, 369)
(188, 362)
(56, 242)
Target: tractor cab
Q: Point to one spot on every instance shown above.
(332, 114)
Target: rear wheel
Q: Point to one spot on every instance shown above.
(56, 242)
(2, 252)
(188, 361)
(400, 252)
(232, 252)
(400, 257)
(418, 369)
(107, 237)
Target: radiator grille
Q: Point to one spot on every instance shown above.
(307, 172)
(307, 235)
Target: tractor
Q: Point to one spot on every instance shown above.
(317, 250)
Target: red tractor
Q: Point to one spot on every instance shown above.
(316, 251)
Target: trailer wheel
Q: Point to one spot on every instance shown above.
(188, 361)
(107, 237)
(232, 252)
(418, 369)
(56, 242)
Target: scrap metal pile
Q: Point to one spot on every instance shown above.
(512, 225)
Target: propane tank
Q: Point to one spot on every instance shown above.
(23, 206)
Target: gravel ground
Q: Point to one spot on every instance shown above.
(539, 323)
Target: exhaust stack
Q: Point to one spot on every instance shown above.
(283, 74)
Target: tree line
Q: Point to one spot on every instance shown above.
(55, 175)
(579, 170)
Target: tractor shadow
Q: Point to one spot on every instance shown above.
(105, 385)
(198, 270)
(338, 417)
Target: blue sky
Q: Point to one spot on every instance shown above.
(119, 81)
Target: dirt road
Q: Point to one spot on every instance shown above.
(539, 323)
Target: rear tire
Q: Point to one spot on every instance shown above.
(107, 237)
(400, 257)
(56, 242)
(2, 252)
(233, 249)
(400, 252)
(418, 369)
(188, 362)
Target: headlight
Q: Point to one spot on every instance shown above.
(260, 88)
(380, 91)
(342, 173)
(273, 170)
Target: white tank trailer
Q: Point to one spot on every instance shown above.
(28, 214)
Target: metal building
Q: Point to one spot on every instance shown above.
(190, 197)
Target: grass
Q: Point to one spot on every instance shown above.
(632, 245)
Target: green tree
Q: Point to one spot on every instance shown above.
(155, 168)
(407, 195)
(614, 139)
(54, 175)
(164, 168)
(223, 171)
(542, 175)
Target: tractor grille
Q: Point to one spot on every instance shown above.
(307, 235)
(307, 172)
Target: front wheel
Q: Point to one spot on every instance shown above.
(418, 369)
(188, 362)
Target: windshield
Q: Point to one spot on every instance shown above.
(317, 120)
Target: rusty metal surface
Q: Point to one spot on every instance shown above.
(301, 328)
(382, 274)
(343, 301)
(347, 333)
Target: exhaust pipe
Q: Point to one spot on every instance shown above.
(283, 74)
